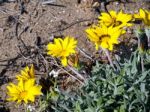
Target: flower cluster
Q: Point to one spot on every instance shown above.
(26, 89)
(109, 29)
(105, 34)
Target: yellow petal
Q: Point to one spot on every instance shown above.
(142, 13)
(21, 85)
(64, 61)
(29, 83)
(96, 46)
(32, 71)
(36, 90)
(111, 47)
(65, 43)
(113, 14)
(104, 45)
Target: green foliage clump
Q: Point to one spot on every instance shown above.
(124, 90)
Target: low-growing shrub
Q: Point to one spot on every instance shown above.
(125, 90)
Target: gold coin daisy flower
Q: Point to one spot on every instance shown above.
(143, 15)
(26, 73)
(24, 92)
(114, 19)
(103, 36)
(62, 48)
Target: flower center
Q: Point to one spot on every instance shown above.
(115, 22)
(104, 37)
(63, 52)
(23, 94)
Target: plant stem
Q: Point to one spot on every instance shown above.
(109, 58)
(84, 53)
(25, 107)
(78, 74)
(142, 64)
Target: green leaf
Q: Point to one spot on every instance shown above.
(142, 77)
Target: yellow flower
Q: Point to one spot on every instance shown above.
(114, 19)
(143, 15)
(62, 48)
(23, 92)
(26, 73)
(104, 36)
